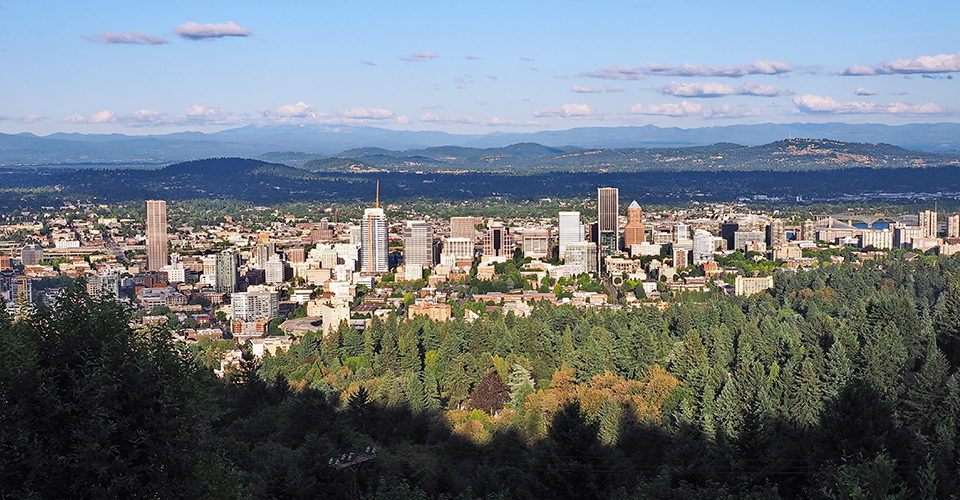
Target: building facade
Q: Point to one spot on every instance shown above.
(928, 224)
(226, 272)
(463, 227)
(498, 241)
(569, 229)
(373, 241)
(633, 233)
(608, 224)
(156, 234)
(953, 226)
(702, 247)
(253, 306)
(536, 243)
(417, 246)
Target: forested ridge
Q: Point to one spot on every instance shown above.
(837, 383)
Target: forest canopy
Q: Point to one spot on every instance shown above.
(840, 382)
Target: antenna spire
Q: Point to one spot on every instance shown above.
(378, 193)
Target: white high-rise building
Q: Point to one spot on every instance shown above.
(702, 247)
(274, 270)
(953, 226)
(928, 223)
(252, 306)
(262, 253)
(535, 243)
(582, 254)
(417, 247)
(570, 230)
(681, 232)
(373, 241)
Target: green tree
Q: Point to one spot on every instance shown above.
(94, 409)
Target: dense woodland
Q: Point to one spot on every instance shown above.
(265, 183)
(837, 383)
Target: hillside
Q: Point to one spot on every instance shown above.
(785, 155)
(298, 144)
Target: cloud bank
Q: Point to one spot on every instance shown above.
(420, 56)
(716, 89)
(943, 63)
(210, 31)
(685, 109)
(764, 67)
(815, 104)
(567, 111)
(134, 37)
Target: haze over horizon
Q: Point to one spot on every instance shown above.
(138, 69)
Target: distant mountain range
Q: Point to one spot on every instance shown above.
(789, 155)
(297, 145)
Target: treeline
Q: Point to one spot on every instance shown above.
(837, 383)
(263, 183)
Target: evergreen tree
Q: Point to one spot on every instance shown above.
(946, 321)
(805, 401)
(837, 370)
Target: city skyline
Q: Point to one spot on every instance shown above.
(99, 68)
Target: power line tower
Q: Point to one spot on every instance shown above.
(351, 463)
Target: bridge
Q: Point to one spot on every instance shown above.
(849, 218)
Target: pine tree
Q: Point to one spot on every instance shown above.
(837, 370)
(806, 398)
(946, 321)
(610, 416)
(924, 400)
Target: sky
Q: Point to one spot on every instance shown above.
(133, 67)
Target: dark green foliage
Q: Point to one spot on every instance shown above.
(93, 409)
(836, 383)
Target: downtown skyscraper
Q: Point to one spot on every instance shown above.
(156, 234)
(608, 225)
(373, 239)
(570, 230)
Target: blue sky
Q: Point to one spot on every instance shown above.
(157, 67)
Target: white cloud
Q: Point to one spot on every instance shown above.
(943, 63)
(31, 118)
(298, 110)
(404, 120)
(368, 63)
(608, 88)
(691, 109)
(764, 67)
(617, 73)
(134, 37)
(432, 118)
(196, 31)
(469, 120)
(863, 91)
(527, 59)
(827, 105)
(365, 113)
(715, 89)
(472, 58)
(567, 111)
(580, 89)
(420, 56)
(709, 89)
(754, 89)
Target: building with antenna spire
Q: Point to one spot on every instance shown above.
(373, 239)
